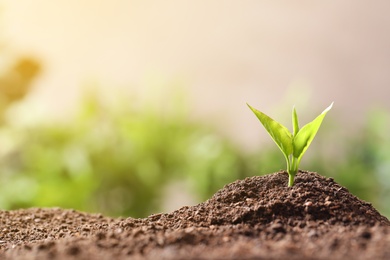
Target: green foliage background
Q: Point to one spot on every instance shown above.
(113, 159)
(118, 160)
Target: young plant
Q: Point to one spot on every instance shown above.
(293, 145)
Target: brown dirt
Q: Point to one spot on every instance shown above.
(255, 218)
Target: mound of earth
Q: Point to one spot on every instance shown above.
(254, 218)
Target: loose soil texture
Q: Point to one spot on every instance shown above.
(255, 218)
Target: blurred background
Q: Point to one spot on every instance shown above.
(135, 107)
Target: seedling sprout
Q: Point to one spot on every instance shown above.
(293, 145)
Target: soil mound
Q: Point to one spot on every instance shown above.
(254, 218)
(261, 200)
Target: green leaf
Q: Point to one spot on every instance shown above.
(279, 133)
(306, 134)
(295, 122)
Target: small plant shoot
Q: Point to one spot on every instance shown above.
(293, 145)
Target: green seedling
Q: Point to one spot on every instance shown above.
(293, 145)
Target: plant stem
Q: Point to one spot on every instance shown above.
(290, 180)
(292, 170)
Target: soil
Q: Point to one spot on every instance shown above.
(255, 218)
